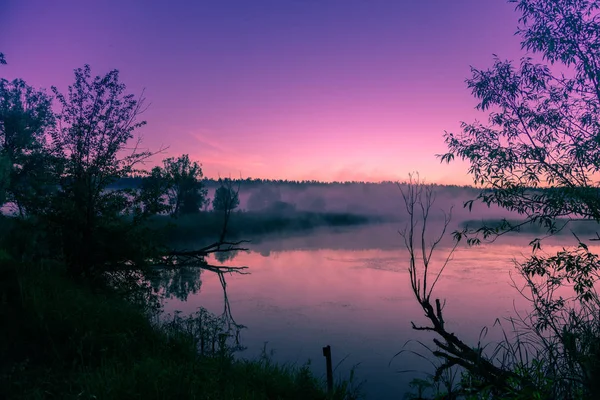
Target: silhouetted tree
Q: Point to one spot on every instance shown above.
(538, 155)
(539, 152)
(25, 117)
(226, 199)
(186, 191)
(543, 128)
(153, 189)
(88, 219)
(96, 124)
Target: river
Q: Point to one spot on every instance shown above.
(349, 288)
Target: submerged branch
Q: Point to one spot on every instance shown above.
(419, 199)
(217, 247)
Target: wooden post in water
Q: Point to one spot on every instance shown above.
(327, 355)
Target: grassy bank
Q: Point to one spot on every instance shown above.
(247, 224)
(62, 340)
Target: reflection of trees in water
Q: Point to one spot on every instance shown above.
(181, 281)
(212, 332)
(178, 276)
(233, 328)
(227, 256)
(177, 283)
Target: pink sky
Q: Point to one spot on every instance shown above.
(290, 89)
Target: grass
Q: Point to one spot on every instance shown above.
(64, 340)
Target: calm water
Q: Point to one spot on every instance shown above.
(350, 289)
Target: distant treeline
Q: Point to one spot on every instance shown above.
(136, 180)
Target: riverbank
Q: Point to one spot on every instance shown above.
(247, 224)
(61, 339)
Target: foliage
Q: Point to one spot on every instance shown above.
(135, 180)
(543, 127)
(226, 198)
(98, 336)
(96, 122)
(72, 213)
(538, 155)
(421, 245)
(152, 190)
(25, 117)
(185, 189)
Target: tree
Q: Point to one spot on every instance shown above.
(153, 189)
(226, 198)
(25, 116)
(485, 378)
(538, 155)
(4, 177)
(186, 191)
(95, 228)
(95, 125)
(543, 128)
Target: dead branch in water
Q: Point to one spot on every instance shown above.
(188, 258)
(419, 199)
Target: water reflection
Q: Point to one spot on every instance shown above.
(179, 283)
(226, 256)
(350, 289)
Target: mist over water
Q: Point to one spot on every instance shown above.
(373, 199)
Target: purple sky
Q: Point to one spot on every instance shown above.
(295, 89)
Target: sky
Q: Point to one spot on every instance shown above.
(283, 89)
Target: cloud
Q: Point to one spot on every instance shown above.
(220, 159)
(352, 172)
(208, 144)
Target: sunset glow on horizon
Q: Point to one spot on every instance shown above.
(330, 90)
